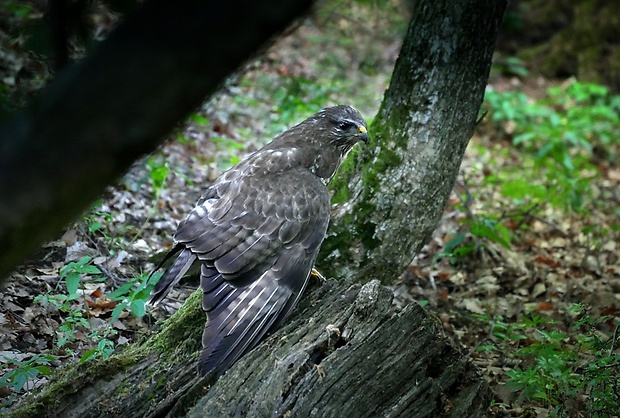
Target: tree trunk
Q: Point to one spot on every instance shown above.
(98, 116)
(347, 352)
(391, 198)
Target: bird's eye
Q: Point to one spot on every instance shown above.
(345, 125)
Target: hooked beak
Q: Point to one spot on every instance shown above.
(363, 135)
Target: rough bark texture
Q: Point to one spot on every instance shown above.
(100, 115)
(393, 195)
(348, 352)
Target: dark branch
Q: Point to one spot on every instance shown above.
(118, 103)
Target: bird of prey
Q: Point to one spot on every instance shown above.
(256, 232)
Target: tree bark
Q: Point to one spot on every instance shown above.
(118, 103)
(347, 352)
(392, 195)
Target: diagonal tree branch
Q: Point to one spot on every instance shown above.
(117, 104)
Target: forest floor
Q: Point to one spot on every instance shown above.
(484, 299)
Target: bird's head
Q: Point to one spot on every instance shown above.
(320, 142)
(342, 126)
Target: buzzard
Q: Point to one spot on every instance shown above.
(256, 232)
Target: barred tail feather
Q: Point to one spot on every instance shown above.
(172, 275)
(238, 319)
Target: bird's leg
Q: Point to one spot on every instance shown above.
(315, 274)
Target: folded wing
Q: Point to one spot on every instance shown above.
(257, 239)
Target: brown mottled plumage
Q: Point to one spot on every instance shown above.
(257, 231)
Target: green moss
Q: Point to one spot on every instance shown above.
(177, 336)
(355, 229)
(64, 383)
(347, 171)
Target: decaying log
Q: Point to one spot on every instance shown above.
(346, 352)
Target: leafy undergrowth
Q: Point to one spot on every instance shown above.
(523, 269)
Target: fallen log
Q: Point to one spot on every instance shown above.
(346, 352)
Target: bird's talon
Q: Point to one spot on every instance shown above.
(315, 274)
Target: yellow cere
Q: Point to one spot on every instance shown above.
(362, 130)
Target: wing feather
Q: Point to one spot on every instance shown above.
(239, 239)
(238, 319)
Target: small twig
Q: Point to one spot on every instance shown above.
(525, 214)
(467, 202)
(431, 279)
(7, 311)
(103, 251)
(113, 277)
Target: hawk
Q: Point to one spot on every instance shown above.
(256, 232)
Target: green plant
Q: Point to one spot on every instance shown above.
(93, 216)
(24, 374)
(558, 135)
(510, 66)
(556, 367)
(75, 271)
(231, 147)
(505, 336)
(476, 233)
(297, 98)
(71, 318)
(104, 349)
(133, 295)
(97, 221)
(158, 173)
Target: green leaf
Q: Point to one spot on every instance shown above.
(122, 292)
(90, 269)
(73, 282)
(159, 175)
(137, 307)
(154, 278)
(456, 241)
(198, 119)
(19, 381)
(524, 137)
(44, 370)
(116, 312)
(94, 227)
(87, 355)
(492, 230)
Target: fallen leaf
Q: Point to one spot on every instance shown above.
(549, 261)
(472, 305)
(544, 306)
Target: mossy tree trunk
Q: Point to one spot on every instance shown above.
(391, 197)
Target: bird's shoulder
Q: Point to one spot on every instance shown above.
(285, 170)
(276, 157)
(260, 192)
